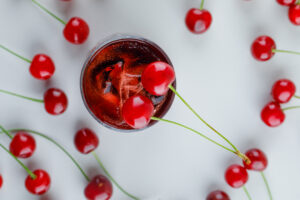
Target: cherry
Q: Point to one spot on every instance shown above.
(137, 111)
(198, 20)
(259, 161)
(86, 141)
(42, 67)
(76, 30)
(1, 181)
(262, 48)
(294, 14)
(286, 2)
(56, 101)
(236, 176)
(217, 195)
(283, 90)
(100, 188)
(40, 184)
(157, 77)
(272, 114)
(22, 145)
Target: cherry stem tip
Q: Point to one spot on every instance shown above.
(15, 54)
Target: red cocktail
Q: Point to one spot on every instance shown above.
(112, 74)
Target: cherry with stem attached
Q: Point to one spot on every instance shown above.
(198, 20)
(76, 30)
(55, 100)
(41, 66)
(264, 48)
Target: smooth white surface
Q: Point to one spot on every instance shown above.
(215, 73)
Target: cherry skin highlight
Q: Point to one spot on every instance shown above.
(272, 115)
(157, 77)
(22, 145)
(55, 101)
(259, 161)
(40, 185)
(294, 14)
(217, 195)
(137, 111)
(42, 67)
(236, 176)
(286, 2)
(76, 31)
(198, 21)
(100, 188)
(283, 90)
(262, 48)
(86, 141)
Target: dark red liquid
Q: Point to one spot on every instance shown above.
(113, 74)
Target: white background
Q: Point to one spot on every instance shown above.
(215, 73)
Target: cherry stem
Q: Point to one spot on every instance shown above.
(21, 96)
(180, 97)
(285, 51)
(267, 185)
(298, 2)
(111, 178)
(49, 12)
(247, 193)
(290, 108)
(296, 96)
(54, 142)
(14, 53)
(6, 132)
(238, 153)
(201, 5)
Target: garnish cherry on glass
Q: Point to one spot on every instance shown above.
(283, 90)
(100, 188)
(272, 114)
(217, 195)
(40, 184)
(259, 161)
(41, 66)
(86, 141)
(236, 176)
(22, 145)
(198, 20)
(76, 30)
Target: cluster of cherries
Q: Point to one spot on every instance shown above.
(282, 92)
(237, 176)
(294, 10)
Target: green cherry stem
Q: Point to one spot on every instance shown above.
(111, 178)
(30, 173)
(15, 54)
(290, 108)
(21, 96)
(267, 185)
(285, 51)
(6, 132)
(222, 136)
(49, 12)
(202, 4)
(55, 143)
(296, 96)
(247, 193)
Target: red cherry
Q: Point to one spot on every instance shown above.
(262, 48)
(286, 2)
(76, 30)
(272, 115)
(294, 14)
(283, 90)
(217, 195)
(55, 101)
(236, 176)
(22, 145)
(42, 67)
(86, 141)
(156, 78)
(40, 184)
(137, 111)
(100, 188)
(198, 21)
(259, 161)
(1, 181)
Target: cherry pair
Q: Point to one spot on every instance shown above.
(76, 30)
(282, 92)
(41, 66)
(264, 48)
(198, 20)
(55, 100)
(294, 10)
